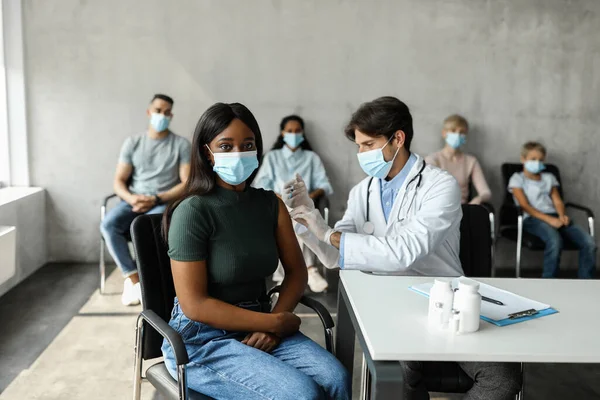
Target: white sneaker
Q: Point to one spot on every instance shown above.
(129, 296)
(316, 282)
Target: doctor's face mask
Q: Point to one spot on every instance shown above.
(373, 161)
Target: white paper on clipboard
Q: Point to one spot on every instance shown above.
(513, 303)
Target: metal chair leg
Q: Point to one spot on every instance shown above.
(521, 395)
(102, 267)
(519, 244)
(493, 245)
(182, 382)
(329, 341)
(137, 368)
(102, 260)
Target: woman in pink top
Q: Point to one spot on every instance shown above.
(464, 167)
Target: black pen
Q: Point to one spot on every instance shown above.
(492, 301)
(487, 299)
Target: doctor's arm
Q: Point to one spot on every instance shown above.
(418, 236)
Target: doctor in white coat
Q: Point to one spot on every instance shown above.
(402, 219)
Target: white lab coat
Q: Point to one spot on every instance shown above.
(422, 235)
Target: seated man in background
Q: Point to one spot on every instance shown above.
(464, 167)
(152, 170)
(536, 192)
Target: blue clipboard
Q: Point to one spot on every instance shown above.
(506, 321)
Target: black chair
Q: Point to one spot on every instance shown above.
(102, 264)
(492, 217)
(511, 216)
(158, 294)
(476, 260)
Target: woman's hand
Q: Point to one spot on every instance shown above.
(266, 342)
(286, 324)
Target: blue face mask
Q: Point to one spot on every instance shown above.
(374, 164)
(455, 140)
(159, 122)
(534, 166)
(235, 168)
(293, 139)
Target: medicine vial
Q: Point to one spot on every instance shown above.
(467, 301)
(440, 293)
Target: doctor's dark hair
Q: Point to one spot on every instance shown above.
(202, 178)
(279, 141)
(382, 117)
(164, 97)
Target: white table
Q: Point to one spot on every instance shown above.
(391, 323)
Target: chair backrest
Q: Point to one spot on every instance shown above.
(154, 268)
(508, 212)
(476, 241)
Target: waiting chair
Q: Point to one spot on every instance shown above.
(102, 264)
(511, 216)
(492, 217)
(158, 295)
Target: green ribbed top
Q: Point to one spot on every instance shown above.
(234, 232)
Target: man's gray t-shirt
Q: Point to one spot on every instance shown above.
(155, 162)
(537, 192)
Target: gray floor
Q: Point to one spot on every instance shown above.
(42, 317)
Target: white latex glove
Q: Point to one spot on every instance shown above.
(327, 254)
(295, 194)
(313, 220)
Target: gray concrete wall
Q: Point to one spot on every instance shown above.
(518, 70)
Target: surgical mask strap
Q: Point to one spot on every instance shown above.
(397, 150)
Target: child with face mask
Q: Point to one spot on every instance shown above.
(464, 167)
(536, 192)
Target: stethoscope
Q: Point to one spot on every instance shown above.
(368, 226)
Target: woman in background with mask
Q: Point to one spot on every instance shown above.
(224, 239)
(464, 167)
(290, 155)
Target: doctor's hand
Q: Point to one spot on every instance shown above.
(295, 194)
(312, 219)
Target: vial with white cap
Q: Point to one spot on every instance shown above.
(467, 301)
(441, 297)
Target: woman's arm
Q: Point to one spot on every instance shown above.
(296, 277)
(483, 190)
(191, 288)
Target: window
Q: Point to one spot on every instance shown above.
(4, 143)
(14, 166)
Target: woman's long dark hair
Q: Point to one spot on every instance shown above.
(279, 142)
(202, 177)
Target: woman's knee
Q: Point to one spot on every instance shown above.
(336, 381)
(300, 387)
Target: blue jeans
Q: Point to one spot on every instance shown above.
(115, 229)
(554, 240)
(224, 368)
